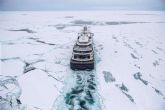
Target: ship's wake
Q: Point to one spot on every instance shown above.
(83, 96)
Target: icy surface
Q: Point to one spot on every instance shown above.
(36, 48)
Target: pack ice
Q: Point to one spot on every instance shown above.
(36, 47)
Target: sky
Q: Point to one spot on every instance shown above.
(44, 5)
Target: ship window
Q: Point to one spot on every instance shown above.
(75, 56)
(84, 56)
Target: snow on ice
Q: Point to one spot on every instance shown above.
(36, 49)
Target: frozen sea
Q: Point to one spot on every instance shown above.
(36, 48)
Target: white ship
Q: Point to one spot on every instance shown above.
(83, 55)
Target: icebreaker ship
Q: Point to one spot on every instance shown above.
(83, 53)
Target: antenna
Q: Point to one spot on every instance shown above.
(85, 28)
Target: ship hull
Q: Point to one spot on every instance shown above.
(83, 65)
